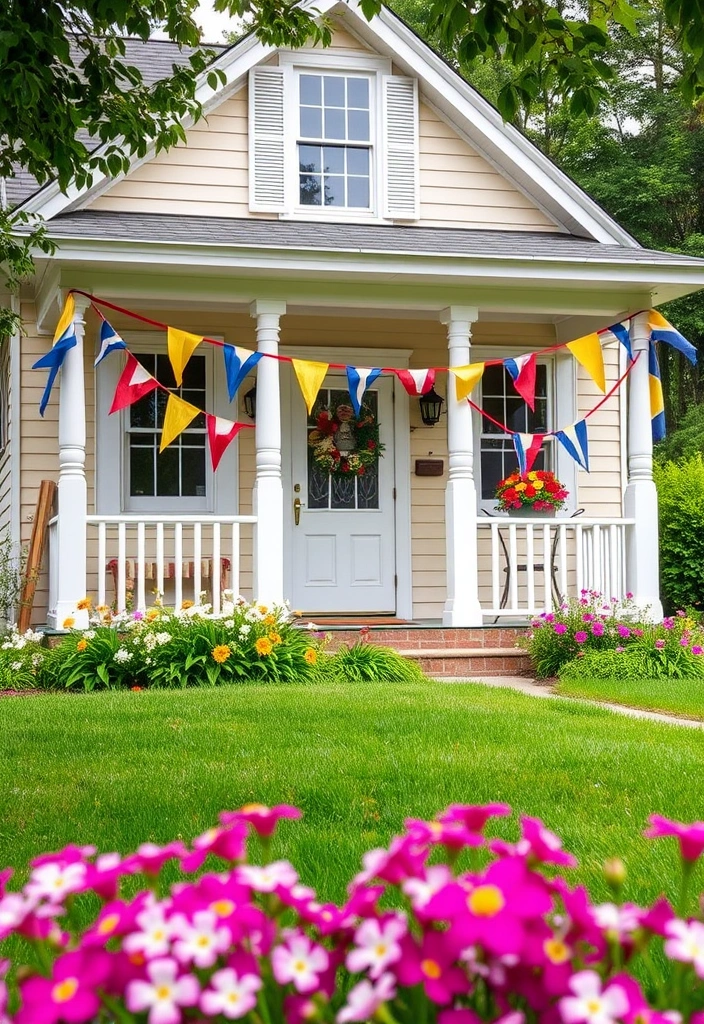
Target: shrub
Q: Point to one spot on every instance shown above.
(681, 500)
(687, 440)
(509, 941)
(22, 656)
(637, 663)
(12, 565)
(365, 662)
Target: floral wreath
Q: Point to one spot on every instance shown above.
(366, 446)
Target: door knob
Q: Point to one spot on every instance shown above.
(297, 510)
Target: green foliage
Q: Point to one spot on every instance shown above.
(12, 563)
(22, 657)
(686, 441)
(364, 662)
(637, 662)
(681, 503)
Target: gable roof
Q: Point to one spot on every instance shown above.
(473, 117)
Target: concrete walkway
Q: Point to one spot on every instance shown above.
(533, 688)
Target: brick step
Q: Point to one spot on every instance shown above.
(429, 638)
(471, 661)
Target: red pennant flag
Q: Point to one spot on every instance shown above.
(522, 370)
(135, 382)
(220, 433)
(417, 382)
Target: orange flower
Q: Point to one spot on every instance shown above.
(221, 653)
(69, 622)
(274, 637)
(262, 609)
(311, 656)
(152, 613)
(263, 646)
(136, 689)
(84, 605)
(185, 605)
(81, 645)
(270, 620)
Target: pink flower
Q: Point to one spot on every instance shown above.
(432, 965)
(623, 631)
(268, 878)
(629, 595)
(365, 999)
(684, 641)
(691, 837)
(163, 994)
(474, 816)
(560, 628)
(637, 632)
(668, 623)
(697, 649)
(620, 921)
(421, 890)
(538, 844)
(452, 834)
(376, 945)
(151, 858)
(588, 617)
(580, 637)
(620, 650)
(262, 819)
(589, 1004)
(228, 843)
(230, 995)
(69, 994)
(686, 943)
(659, 644)
(153, 938)
(598, 629)
(300, 961)
(54, 881)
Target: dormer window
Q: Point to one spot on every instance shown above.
(334, 141)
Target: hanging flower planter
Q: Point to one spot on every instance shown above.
(538, 494)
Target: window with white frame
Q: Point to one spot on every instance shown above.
(497, 454)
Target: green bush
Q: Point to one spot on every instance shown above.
(636, 663)
(686, 441)
(681, 499)
(364, 662)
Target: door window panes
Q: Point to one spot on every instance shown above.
(340, 492)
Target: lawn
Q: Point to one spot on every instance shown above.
(683, 697)
(118, 768)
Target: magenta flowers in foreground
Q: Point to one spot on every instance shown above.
(449, 925)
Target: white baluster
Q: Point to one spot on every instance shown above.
(563, 561)
(495, 567)
(598, 559)
(513, 566)
(102, 561)
(141, 568)
(547, 565)
(197, 554)
(579, 553)
(235, 562)
(216, 569)
(121, 568)
(178, 565)
(160, 558)
(530, 566)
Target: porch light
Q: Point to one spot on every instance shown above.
(250, 403)
(430, 407)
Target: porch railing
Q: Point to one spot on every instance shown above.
(537, 563)
(53, 533)
(137, 550)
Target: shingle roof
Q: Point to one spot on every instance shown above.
(333, 237)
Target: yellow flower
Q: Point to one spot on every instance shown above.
(185, 605)
(311, 656)
(221, 653)
(275, 638)
(270, 620)
(532, 476)
(69, 622)
(538, 484)
(152, 613)
(521, 487)
(84, 604)
(263, 646)
(262, 609)
(81, 645)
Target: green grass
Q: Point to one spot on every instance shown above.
(684, 697)
(119, 768)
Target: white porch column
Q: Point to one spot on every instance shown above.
(72, 494)
(462, 604)
(268, 490)
(641, 499)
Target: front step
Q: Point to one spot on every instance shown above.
(472, 661)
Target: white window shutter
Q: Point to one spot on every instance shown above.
(400, 117)
(266, 140)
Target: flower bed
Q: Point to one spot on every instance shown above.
(504, 939)
(599, 637)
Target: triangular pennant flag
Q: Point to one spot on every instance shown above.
(178, 415)
(522, 370)
(220, 433)
(574, 440)
(527, 450)
(466, 378)
(359, 378)
(587, 352)
(662, 330)
(310, 378)
(64, 339)
(181, 347)
(621, 332)
(657, 401)
(135, 382)
(238, 363)
(110, 341)
(417, 382)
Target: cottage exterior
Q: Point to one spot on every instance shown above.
(360, 205)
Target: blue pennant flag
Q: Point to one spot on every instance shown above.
(527, 450)
(662, 330)
(64, 339)
(620, 331)
(657, 402)
(574, 440)
(238, 363)
(359, 378)
(110, 341)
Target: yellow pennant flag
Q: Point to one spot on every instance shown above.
(466, 378)
(66, 318)
(310, 377)
(182, 345)
(178, 415)
(587, 351)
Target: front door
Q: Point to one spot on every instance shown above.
(343, 548)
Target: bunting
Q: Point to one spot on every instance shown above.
(522, 370)
(181, 346)
(310, 377)
(64, 339)
(466, 378)
(574, 440)
(220, 433)
(587, 351)
(416, 382)
(527, 450)
(178, 415)
(621, 332)
(657, 401)
(662, 330)
(238, 363)
(135, 382)
(110, 341)
(359, 378)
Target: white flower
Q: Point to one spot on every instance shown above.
(37, 659)
(20, 642)
(365, 999)
(89, 634)
(231, 996)
(252, 615)
(228, 608)
(163, 994)
(268, 878)
(377, 945)
(620, 920)
(591, 1005)
(245, 630)
(200, 942)
(122, 655)
(154, 937)
(420, 891)
(150, 641)
(299, 961)
(163, 638)
(16, 666)
(311, 626)
(54, 881)
(686, 943)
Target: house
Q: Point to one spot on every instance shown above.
(359, 205)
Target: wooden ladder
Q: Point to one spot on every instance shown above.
(35, 554)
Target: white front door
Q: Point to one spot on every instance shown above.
(342, 535)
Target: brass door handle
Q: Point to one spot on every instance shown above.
(297, 510)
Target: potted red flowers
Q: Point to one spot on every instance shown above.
(538, 493)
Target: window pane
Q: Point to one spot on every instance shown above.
(498, 460)
(167, 465)
(334, 190)
(334, 124)
(194, 373)
(493, 380)
(538, 420)
(494, 407)
(358, 125)
(196, 398)
(311, 90)
(358, 161)
(541, 379)
(311, 122)
(358, 92)
(334, 159)
(334, 91)
(143, 412)
(193, 468)
(310, 190)
(164, 372)
(161, 400)
(141, 469)
(358, 192)
(309, 159)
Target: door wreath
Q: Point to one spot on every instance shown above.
(344, 444)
